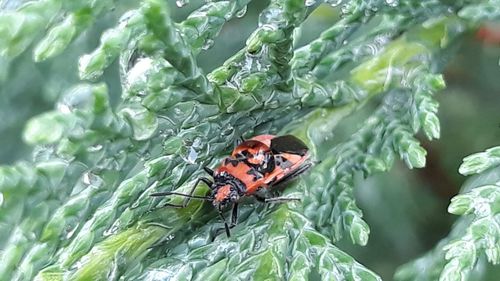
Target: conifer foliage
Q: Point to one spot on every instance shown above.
(80, 208)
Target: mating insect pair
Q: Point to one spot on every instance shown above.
(254, 167)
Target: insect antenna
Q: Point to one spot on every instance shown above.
(167, 193)
(208, 171)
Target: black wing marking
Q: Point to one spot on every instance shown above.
(288, 144)
(255, 173)
(282, 162)
(231, 161)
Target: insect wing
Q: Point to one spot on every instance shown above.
(289, 166)
(288, 144)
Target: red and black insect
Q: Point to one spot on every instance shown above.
(254, 166)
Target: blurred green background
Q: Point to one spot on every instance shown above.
(413, 202)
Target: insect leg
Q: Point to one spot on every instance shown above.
(226, 227)
(234, 216)
(234, 221)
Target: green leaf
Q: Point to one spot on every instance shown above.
(80, 208)
(475, 234)
(479, 162)
(143, 122)
(47, 128)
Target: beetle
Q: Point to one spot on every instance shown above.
(253, 168)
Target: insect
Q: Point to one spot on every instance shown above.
(254, 167)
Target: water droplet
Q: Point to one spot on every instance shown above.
(78, 97)
(334, 3)
(146, 155)
(192, 156)
(91, 179)
(137, 74)
(181, 3)
(95, 148)
(70, 231)
(144, 123)
(110, 231)
(192, 151)
(241, 12)
(86, 178)
(392, 3)
(310, 2)
(208, 44)
(348, 8)
(1, 199)
(64, 108)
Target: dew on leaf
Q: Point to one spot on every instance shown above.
(310, 2)
(241, 13)
(95, 148)
(144, 123)
(334, 3)
(70, 231)
(392, 3)
(112, 230)
(92, 179)
(208, 44)
(181, 3)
